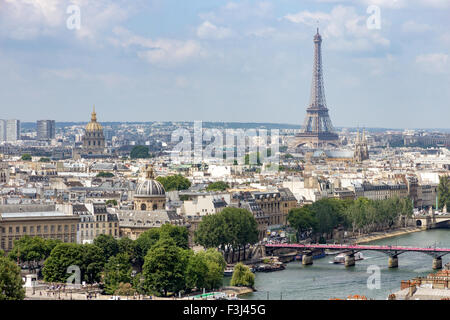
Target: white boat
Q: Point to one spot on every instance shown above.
(340, 258)
(228, 272)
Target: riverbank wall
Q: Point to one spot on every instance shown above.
(385, 235)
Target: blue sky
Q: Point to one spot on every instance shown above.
(218, 60)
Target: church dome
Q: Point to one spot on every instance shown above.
(94, 126)
(149, 187)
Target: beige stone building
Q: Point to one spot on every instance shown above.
(17, 221)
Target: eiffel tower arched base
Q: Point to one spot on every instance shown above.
(313, 141)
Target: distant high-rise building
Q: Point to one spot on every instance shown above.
(12, 130)
(317, 129)
(2, 130)
(45, 129)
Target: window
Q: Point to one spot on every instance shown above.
(24, 229)
(38, 229)
(52, 229)
(17, 229)
(32, 229)
(45, 229)
(143, 207)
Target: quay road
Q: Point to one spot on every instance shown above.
(392, 251)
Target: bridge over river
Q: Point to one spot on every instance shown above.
(392, 251)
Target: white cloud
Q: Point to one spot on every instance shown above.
(207, 30)
(415, 27)
(434, 63)
(162, 51)
(108, 79)
(343, 27)
(28, 19)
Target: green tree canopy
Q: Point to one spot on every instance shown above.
(93, 261)
(178, 233)
(242, 276)
(10, 281)
(26, 157)
(117, 270)
(164, 268)
(108, 244)
(35, 249)
(104, 174)
(139, 152)
(216, 265)
(302, 220)
(217, 186)
(61, 257)
(231, 228)
(444, 192)
(175, 182)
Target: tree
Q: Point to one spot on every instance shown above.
(217, 186)
(62, 256)
(44, 159)
(164, 268)
(230, 229)
(175, 182)
(128, 246)
(26, 157)
(125, 289)
(144, 243)
(93, 261)
(28, 249)
(444, 192)
(216, 265)
(196, 271)
(302, 220)
(104, 174)
(112, 202)
(242, 276)
(117, 270)
(139, 152)
(179, 234)
(108, 244)
(10, 281)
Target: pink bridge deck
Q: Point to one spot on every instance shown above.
(357, 247)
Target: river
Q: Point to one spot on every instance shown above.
(324, 280)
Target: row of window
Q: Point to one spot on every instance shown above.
(93, 143)
(91, 225)
(37, 229)
(97, 232)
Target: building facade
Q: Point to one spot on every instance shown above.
(93, 139)
(45, 129)
(17, 221)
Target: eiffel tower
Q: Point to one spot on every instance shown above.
(317, 129)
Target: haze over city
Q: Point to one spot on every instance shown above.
(246, 61)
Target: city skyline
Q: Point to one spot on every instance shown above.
(226, 62)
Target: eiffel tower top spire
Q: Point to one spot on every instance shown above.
(317, 88)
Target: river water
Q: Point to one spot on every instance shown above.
(324, 280)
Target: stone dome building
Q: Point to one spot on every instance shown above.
(93, 139)
(149, 194)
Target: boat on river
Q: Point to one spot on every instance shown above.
(340, 258)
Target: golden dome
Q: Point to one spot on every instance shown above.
(94, 125)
